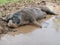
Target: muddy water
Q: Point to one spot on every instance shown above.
(48, 35)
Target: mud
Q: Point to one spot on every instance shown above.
(48, 35)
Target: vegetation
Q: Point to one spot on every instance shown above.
(6, 1)
(29, 1)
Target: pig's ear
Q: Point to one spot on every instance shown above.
(43, 2)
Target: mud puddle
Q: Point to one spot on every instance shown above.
(48, 35)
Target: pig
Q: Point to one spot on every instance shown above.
(25, 16)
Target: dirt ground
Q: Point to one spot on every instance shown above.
(8, 8)
(12, 7)
(30, 34)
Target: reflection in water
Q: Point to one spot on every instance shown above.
(45, 36)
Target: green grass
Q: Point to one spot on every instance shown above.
(6, 1)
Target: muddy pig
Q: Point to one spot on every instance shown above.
(25, 16)
(50, 8)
